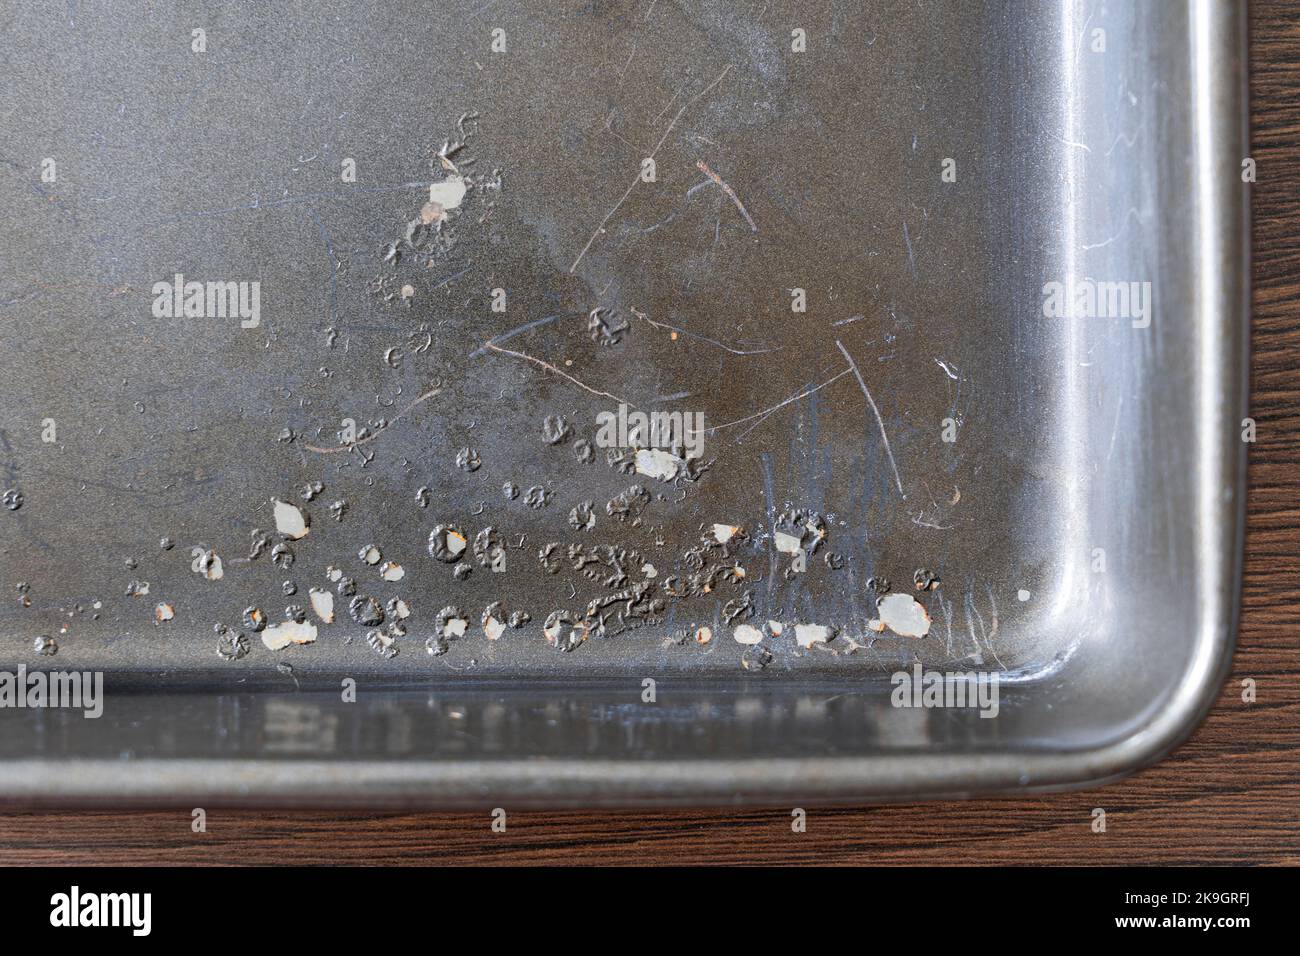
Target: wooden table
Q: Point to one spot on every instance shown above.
(1230, 795)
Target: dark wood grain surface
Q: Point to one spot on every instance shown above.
(1230, 795)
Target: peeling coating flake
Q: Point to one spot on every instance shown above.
(289, 519)
(322, 602)
(806, 635)
(722, 533)
(392, 571)
(657, 463)
(279, 636)
(787, 543)
(747, 634)
(449, 193)
(902, 615)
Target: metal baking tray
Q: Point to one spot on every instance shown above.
(948, 300)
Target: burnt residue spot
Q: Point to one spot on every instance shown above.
(556, 430)
(446, 543)
(738, 609)
(382, 643)
(467, 459)
(582, 517)
(549, 556)
(564, 631)
(45, 645)
(606, 326)
(450, 625)
(628, 505)
(621, 460)
(231, 645)
(260, 542)
(487, 547)
(925, 579)
(366, 611)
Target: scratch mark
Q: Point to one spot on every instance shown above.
(258, 204)
(911, 260)
(767, 411)
(610, 215)
(1128, 140)
(551, 368)
(379, 431)
(623, 72)
(1128, 217)
(612, 132)
(879, 421)
(536, 323)
(703, 167)
(702, 338)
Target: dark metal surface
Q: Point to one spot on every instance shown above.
(775, 170)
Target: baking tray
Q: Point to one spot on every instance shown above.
(842, 268)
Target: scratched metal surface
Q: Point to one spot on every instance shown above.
(775, 171)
